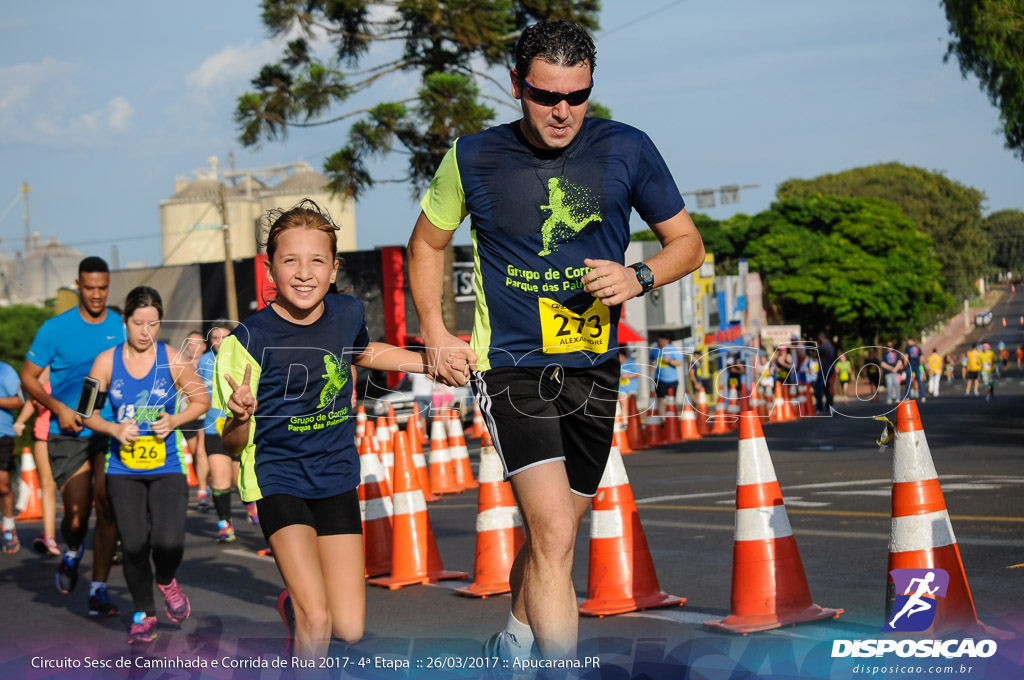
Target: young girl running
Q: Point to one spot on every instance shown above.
(284, 378)
(145, 467)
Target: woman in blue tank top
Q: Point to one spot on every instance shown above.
(145, 465)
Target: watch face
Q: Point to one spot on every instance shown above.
(644, 275)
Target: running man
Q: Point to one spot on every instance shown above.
(68, 343)
(223, 466)
(549, 198)
(10, 401)
(916, 603)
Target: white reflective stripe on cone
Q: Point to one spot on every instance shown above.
(755, 463)
(758, 524)
(440, 455)
(921, 532)
(912, 459)
(490, 467)
(614, 471)
(498, 518)
(28, 462)
(419, 460)
(409, 502)
(375, 508)
(606, 524)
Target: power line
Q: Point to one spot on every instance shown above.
(605, 34)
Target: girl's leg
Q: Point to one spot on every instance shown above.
(220, 481)
(343, 567)
(129, 499)
(296, 551)
(47, 487)
(202, 464)
(168, 503)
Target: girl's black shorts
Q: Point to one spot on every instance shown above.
(328, 516)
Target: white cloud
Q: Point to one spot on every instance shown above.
(232, 67)
(36, 102)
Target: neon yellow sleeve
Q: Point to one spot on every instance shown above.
(444, 204)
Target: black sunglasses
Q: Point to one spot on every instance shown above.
(548, 98)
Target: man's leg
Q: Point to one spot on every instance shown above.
(104, 538)
(543, 595)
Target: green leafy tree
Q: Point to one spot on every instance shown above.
(987, 38)
(856, 267)
(945, 210)
(18, 326)
(451, 44)
(1005, 230)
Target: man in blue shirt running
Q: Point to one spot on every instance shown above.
(68, 343)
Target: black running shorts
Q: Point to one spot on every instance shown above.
(540, 415)
(328, 516)
(68, 454)
(6, 454)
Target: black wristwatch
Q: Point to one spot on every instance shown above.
(644, 275)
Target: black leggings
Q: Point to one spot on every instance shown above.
(150, 512)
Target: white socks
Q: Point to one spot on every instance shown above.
(517, 639)
(8, 524)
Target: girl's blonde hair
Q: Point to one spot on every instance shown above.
(306, 215)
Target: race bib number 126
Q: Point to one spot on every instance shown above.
(564, 331)
(145, 453)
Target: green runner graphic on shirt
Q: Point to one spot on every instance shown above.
(572, 208)
(337, 376)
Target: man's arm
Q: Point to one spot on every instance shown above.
(682, 251)
(426, 271)
(66, 417)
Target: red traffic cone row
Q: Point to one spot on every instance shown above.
(672, 432)
(769, 588)
(620, 435)
(634, 430)
(921, 535)
(376, 510)
(461, 467)
(621, 576)
(414, 556)
(442, 476)
(499, 528)
(30, 494)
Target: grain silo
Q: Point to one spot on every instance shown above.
(306, 182)
(190, 223)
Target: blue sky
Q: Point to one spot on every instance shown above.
(100, 109)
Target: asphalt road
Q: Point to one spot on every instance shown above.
(836, 486)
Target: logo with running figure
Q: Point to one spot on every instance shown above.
(337, 376)
(917, 590)
(572, 208)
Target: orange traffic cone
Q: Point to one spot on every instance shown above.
(634, 430)
(732, 409)
(720, 420)
(689, 429)
(442, 476)
(769, 588)
(672, 433)
(921, 535)
(387, 452)
(703, 412)
(419, 461)
(652, 423)
(622, 577)
(620, 435)
(479, 427)
(376, 510)
(190, 469)
(30, 494)
(499, 528)
(371, 434)
(360, 422)
(412, 428)
(782, 408)
(459, 453)
(392, 420)
(414, 556)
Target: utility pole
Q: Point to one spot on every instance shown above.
(229, 264)
(25, 188)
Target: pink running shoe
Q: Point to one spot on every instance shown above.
(176, 603)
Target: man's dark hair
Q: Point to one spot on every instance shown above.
(561, 43)
(93, 265)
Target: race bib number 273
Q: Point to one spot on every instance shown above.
(564, 331)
